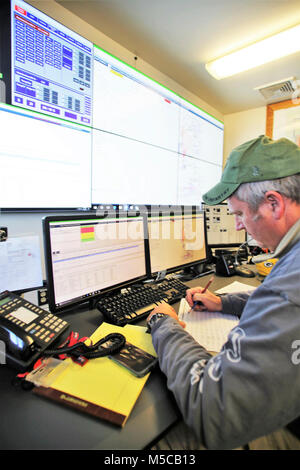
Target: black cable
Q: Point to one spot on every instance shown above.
(115, 342)
(236, 263)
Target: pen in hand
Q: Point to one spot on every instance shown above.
(198, 302)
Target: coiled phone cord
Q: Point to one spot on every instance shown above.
(108, 345)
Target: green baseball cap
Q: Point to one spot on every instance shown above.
(259, 159)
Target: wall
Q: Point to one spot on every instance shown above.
(243, 126)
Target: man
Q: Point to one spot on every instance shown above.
(252, 387)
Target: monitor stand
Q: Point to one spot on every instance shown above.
(161, 275)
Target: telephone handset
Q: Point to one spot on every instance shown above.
(26, 330)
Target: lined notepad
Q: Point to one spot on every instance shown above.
(101, 388)
(211, 329)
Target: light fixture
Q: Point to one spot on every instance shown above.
(272, 48)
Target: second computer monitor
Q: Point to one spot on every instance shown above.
(220, 224)
(176, 241)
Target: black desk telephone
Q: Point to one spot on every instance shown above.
(25, 330)
(226, 266)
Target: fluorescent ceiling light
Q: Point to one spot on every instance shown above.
(272, 48)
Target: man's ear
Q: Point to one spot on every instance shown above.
(275, 202)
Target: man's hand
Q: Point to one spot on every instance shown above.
(209, 300)
(165, 308)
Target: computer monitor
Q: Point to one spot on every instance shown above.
(176, 241)
(220, 224)
(86, 256)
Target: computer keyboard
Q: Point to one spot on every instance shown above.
(170, 289)
(135, 303)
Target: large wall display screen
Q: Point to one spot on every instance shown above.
(129, 104)
(51, 66)
(102, 131)
(128, 171)
(170, 150)
(44, 162)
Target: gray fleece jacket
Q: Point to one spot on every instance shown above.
(252, 387)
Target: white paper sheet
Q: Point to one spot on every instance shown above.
(235, 287)
(20, 263)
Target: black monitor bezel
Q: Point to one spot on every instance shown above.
(92, 297)
(154, 274)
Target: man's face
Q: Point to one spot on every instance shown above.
(258, 224)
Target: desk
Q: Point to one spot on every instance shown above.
(31, 422)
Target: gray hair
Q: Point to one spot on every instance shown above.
(253, 193)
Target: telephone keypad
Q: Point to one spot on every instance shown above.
(44, 327)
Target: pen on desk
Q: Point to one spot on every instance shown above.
(198, 302)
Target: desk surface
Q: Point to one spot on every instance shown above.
(32, 422)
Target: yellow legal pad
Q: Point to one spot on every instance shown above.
(101, 387)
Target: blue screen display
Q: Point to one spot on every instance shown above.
(51, 66)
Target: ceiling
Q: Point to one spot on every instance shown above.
(178, 37)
